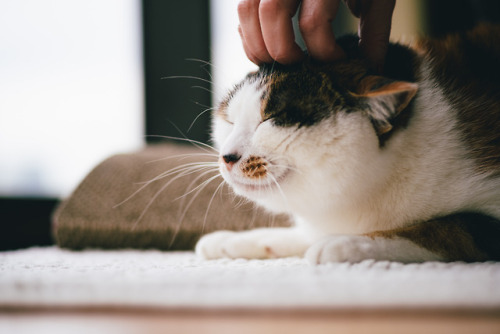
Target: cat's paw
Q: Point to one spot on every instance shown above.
(253, 244)
(356, 248)
(209, 246)
(343, 248)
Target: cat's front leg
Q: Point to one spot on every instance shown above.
(356, 248)
(254, 244)
(460, 237)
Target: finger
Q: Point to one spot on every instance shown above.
(250, 32)
(374, 30)
(277, 30)
(257, 60)
(315, 25)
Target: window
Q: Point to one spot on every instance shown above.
(230, 64)
(71, 93)
(71, 90)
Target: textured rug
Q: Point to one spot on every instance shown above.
(52, 277)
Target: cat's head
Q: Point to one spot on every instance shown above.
(305, 131)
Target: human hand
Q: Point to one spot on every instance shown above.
(267, 33)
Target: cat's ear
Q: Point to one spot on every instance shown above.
(386, 99)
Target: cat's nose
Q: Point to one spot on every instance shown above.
(231, 159)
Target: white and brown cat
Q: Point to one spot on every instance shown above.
(402, 167)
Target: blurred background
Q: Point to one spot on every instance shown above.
(81, 80)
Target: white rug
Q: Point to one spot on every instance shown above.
(130, 278)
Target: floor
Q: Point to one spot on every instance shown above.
(161, 321)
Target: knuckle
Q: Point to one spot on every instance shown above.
(309, 24)
(270, 7)
(246, 7)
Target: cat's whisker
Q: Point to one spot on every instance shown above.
(189, 167)
(178, 169)
(272, 220)
(204, 106)
(193, 78)
(203, 88)
(183, 170)
(204, 184)
(151, 201)
(131, 196)
(184, 156)
(198, 189)
(197, 117)
(196, 143)
(204, 62)
(200, 185)
(241, 201)
(208, 72)
(189, 187)
(186, 77)
(196, 169)
(184, 212)
(254, 217)
(210, 203)
(278, 186)
(192, 141)
(181, 173)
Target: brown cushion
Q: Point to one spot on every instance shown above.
(92, 218)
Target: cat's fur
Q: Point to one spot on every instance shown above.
(404, 167)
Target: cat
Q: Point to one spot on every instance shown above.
(401, 167)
